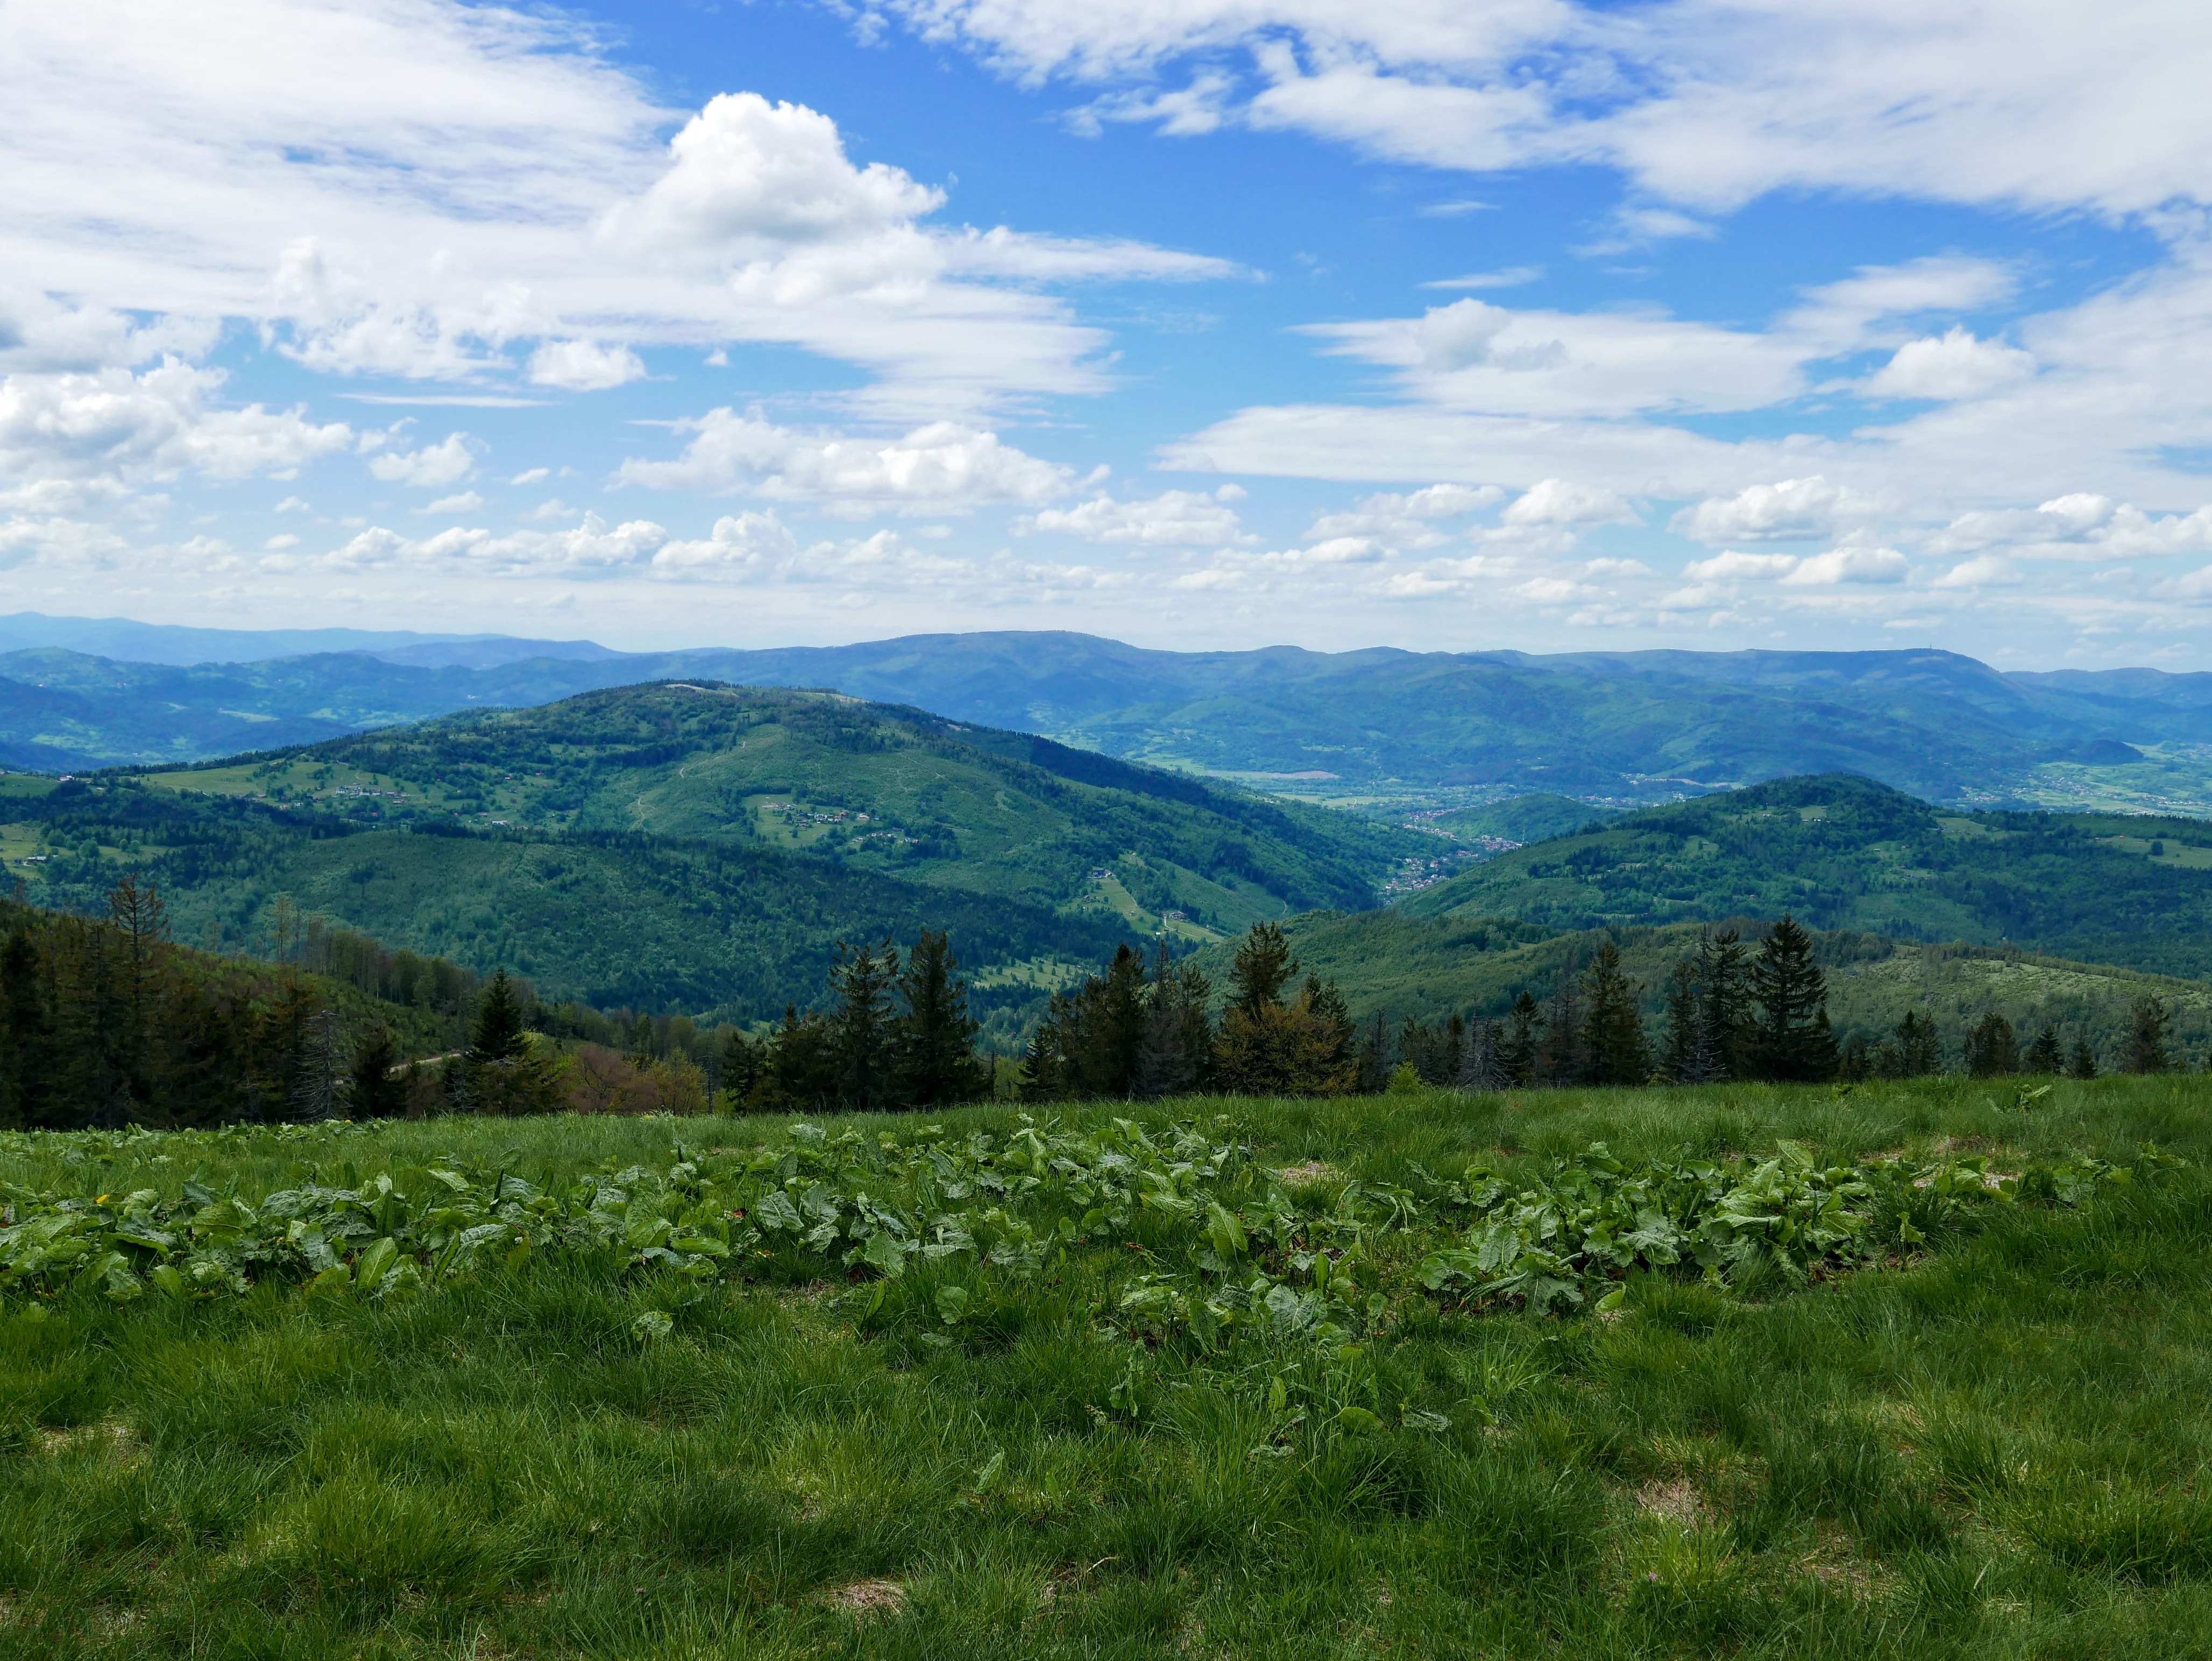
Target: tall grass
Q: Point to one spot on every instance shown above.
(1999, 1449)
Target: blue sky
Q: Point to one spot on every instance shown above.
(1198, 323)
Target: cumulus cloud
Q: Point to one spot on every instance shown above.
(740, 544)
(1793, 509)
(1561, 501)
(447, 462)
(1733, 567)
(1849, 565)
(1187, 518)
(124, 427)
(1954, 365)
(944, 466)
(584, 366)
(1408, 520)
(2080, 525)
(467, 502)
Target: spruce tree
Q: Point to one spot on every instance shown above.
(374, 1090)
(319, 1085)
(1917, 1051)
(1262, 968)
(1992, 1047)
(1518, 1050)
(1562, 1060)
(499, 1025)
(1372, 1062)
(2044, 1056)
(860, 1025)
(1678, 1048)
(1723, 1016)
(937, 1060)
(2082, 1064)
(1613, 1023)
(1483, 1068)
(2145, 1051)
(1178, 1047)
(1791, 1040)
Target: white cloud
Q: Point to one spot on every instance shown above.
(1187, 518)
(591, 547)
(114, 425)
(941, 467)
(740, 544)
(1408, 520)
(1561, 501)
(1733, 567)
(1983, 571)
(1849, 565)
(584, 366)
(447, 462)
(2080, 525)
(414, 187)
(467, 502)
(278, 544)
(1700, 101)
(533, 476)
(292, 505)
(1954, 365)
(1794, 508)
(1512, 277)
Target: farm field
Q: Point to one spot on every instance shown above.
(1926, 1376)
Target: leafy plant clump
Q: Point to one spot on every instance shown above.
(1233, 1281)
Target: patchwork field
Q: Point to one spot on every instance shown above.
(1910, 1370)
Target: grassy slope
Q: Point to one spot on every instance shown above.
(944, 803)
(1843, 852)
(1432, 967)
(1997, 1450)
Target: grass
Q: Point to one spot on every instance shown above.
(1999, 1448)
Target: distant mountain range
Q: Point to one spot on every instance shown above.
(1624, 727)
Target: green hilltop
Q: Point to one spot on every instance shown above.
(1844, 852)
(694, 845)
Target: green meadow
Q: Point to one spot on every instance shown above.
(1972, 1418)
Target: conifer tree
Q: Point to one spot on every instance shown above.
(501, 1072)
(498, 1036)
(2044, 1056)
(1792, 1040)
(1616, 1050)
(1992, 1047)
(742, 1061)
(1916, 1052)
(1724, 1013)
(1562, 1061)
(1371, 1063)
(321, 1081)
(1678, 1048)
(2082, 1064)
(1178, 1047)
(1517, 1051)
(2145, 1051)
(373, 1089)
(1483, 1068)
(860, 1024)
(937, 1060)
(1263, 966)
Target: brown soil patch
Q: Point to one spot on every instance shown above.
(1312, 1171)
(1675, 1500)
(871, 1598)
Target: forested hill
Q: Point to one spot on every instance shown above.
(1631, 725)
(1840, 851)
(893, 791)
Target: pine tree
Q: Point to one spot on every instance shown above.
(1914, 1053)
(860, 1025)
(937, 1060)
(1178, 1046)
(1723, 1015)
(26, 1067)
(2083, 1062)
(1562, 1061)
(742, 1061)
(1518, 1050)
(1043, 1070)
(1791, 1041)
(2044, 1056)
(321, 1081)
(1678, 1049)
(1992, 1047)
(2145, 1050)
(499, 1025)
(374, 1090)
(1613, 1023)
(1262, 968)
(1372, 1063)
(1484, 1069)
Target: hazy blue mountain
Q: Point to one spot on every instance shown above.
(1625, 726)
(173, 644)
